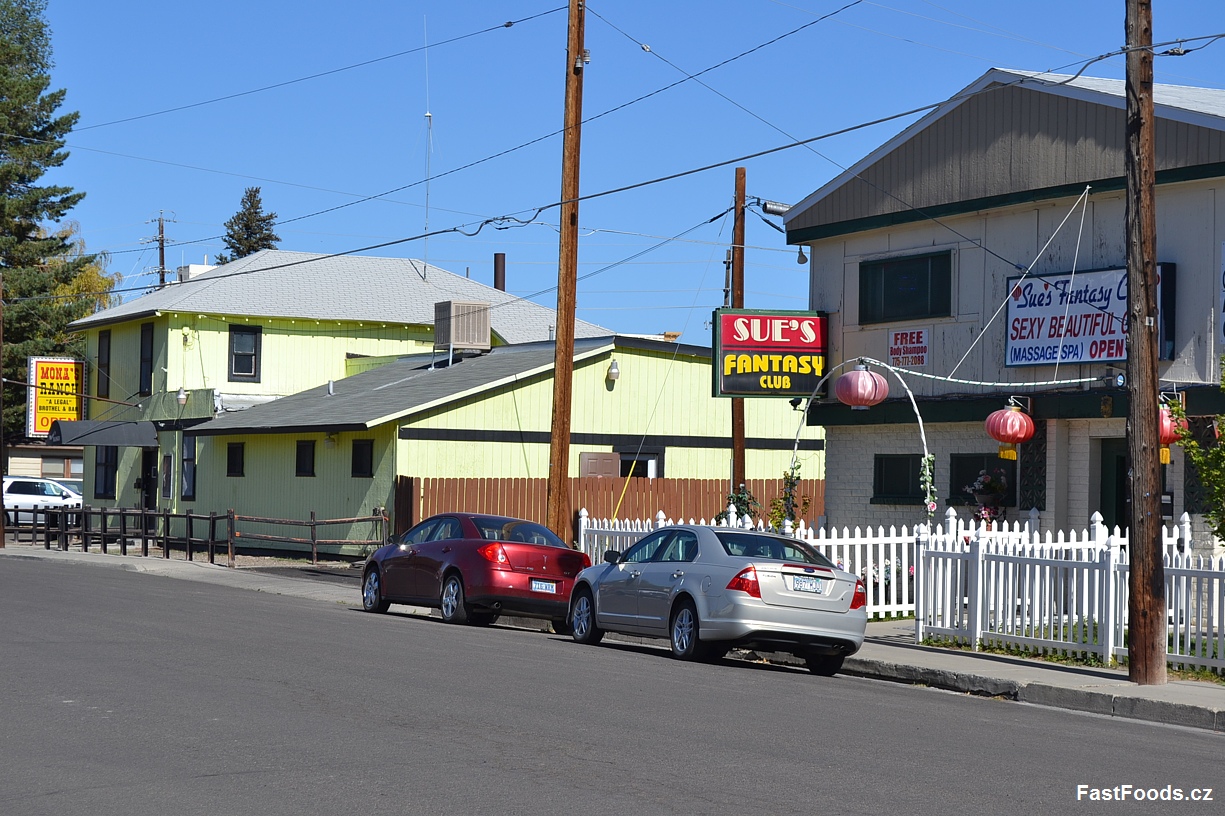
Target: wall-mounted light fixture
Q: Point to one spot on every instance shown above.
(614, 373)
(181, 397)
(329, 441)
(801, 258)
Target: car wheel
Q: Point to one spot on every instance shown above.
(824, 665)
(683, 632)
(372, 595)
(453, 608)
(562, 626)
(582, 619)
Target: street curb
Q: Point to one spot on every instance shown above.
(1084, 700)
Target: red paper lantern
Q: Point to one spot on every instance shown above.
(1167, 432)
(1010, 427)
(861, 388)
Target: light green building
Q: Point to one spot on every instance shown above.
(265, 326)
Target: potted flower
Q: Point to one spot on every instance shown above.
(988, 490)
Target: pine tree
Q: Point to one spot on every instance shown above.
(36, 262)
(250, 229)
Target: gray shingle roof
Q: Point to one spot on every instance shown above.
(274, 283)
(394, 391)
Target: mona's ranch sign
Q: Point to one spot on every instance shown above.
(768, 354)
(1081, 318)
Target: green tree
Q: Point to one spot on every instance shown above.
(36, 263)
(1209, 463)
(250, 229)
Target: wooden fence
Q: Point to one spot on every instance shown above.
(419, 498)
(190, 533)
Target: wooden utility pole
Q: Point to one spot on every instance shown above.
(557, 496)
(161, 249)
(738, 303)
(1146, 649)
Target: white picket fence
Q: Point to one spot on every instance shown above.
(1007, 585)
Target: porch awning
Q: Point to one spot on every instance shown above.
(123, 434)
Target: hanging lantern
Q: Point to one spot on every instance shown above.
(1010, 427)
(861, 388)
(1167, 432)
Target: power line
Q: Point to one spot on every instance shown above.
(309, 77)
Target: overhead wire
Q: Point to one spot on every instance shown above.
(319, 74)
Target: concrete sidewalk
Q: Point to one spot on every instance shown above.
(889, 652)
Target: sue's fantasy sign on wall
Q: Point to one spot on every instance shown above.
(768, 354)
(1080, 318)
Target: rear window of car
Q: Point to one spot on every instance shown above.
(752, 545)
(508, 529)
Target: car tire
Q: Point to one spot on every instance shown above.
(683, 632)
(372, 592)
(454, 610)
(824, 665)
(582, 619)
(561, 626)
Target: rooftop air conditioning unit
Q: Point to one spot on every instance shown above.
(461, 325)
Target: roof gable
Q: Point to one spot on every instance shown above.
(1007, 135)
(275, 283)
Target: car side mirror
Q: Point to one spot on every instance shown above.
(612, 557)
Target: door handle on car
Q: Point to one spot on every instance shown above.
(678, 574)
(635, 573)
(446, 549)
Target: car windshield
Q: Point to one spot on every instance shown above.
(508, 529)
(753, 545)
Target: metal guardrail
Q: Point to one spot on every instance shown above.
(106, 527)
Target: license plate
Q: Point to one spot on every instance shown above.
(807, 583)
(544, 586)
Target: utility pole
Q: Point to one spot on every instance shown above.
(557, 496)
(1146, 650)
(738, 477)
(161, 246)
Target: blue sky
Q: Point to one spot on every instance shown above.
(322, 143)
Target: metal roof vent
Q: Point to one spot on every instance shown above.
(461, 325)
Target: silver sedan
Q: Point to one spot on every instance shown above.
(711, 589)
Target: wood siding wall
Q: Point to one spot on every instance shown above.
(1001, 142)
(419, 498)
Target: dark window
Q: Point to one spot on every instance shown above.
(895, 479)
(245, 344)
(906, 288)
(234, 455)
(106, 469)
(146, 359)
(104, 363)
(965, 469)
(363, 457)
(167, 472)
(305, 465)
(189, 467)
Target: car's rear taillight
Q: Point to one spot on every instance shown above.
(746, 581)
(586, 560)
(860, 600)
(494, 552)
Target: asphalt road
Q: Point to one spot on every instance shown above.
(127, 693)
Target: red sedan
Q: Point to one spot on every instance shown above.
(474, 568)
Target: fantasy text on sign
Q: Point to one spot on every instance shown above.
(54, 392)
(768, 354)
(1081, 318)
(908, 348)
